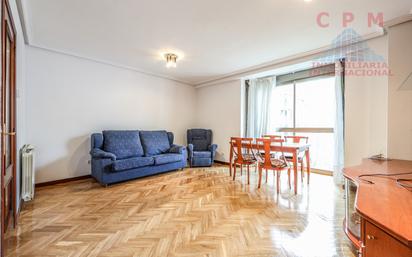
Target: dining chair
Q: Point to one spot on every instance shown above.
(243, 154)
(273, 137)
(271, 160)
(301, 156)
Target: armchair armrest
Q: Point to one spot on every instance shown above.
(100, 154)
(177, 149)
(190, 150)
(212, 148)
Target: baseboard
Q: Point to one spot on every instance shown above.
(222, 162)
(54, 182)
(317, 171)
(321, 172)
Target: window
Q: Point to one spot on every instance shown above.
(306, 107)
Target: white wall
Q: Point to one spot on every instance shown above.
(68, 98)
(400, 101)
(366, 111)
(219, 109)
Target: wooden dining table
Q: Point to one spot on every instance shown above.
(293, 148)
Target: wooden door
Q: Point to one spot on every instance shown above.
(8, 120)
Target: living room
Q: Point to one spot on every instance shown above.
(206, 128)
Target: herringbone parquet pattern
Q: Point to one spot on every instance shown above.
(195, 212)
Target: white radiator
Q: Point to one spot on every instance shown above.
(27, 160)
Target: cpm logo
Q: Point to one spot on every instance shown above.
(322, 19)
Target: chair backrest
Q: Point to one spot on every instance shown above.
(272, 136)
(201, 139)
(297, 139)
(241, 146)
(265, 145)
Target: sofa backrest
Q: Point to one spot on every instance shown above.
(155, 142)
(98, 141)
(200, 138)
(123, 143)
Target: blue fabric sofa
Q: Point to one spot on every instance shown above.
(119, 155)
(201, 151)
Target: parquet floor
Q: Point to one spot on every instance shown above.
(195, 212)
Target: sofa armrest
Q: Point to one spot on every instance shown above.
(176, 149)
(100, 166)
(100, 154)
(212, 149)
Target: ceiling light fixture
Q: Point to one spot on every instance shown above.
(170, 60)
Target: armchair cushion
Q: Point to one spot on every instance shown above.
(167, 158)
(124, 144)
(201, 162)
(155, 142)
(100, 154)
(132, 163)
(202, 154)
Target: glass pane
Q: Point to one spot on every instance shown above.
(352, 216)
(321, 150)
(7, 103)
(315, 103)
(282, 107)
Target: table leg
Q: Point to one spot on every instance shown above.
(295, 171)
(307, 163)
(230, 160)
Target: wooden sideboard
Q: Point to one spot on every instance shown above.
(379, 214)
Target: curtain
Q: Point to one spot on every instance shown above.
(259, 106)
(339, 123)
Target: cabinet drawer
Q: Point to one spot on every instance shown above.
(380, 244)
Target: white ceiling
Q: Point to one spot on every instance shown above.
(215, 37)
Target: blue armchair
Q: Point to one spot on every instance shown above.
(201, 151)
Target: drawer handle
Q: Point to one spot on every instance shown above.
(369, 237)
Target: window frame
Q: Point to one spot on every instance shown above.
(326, 71)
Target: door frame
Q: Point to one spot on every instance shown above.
(8, 28)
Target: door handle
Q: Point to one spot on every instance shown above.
(6, 133)
(9, 133)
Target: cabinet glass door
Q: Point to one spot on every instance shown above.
(353, 221)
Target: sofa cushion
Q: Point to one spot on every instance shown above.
(131, 163)
(154, 142)
(167, 158)
(123, 143)
(202, 154)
